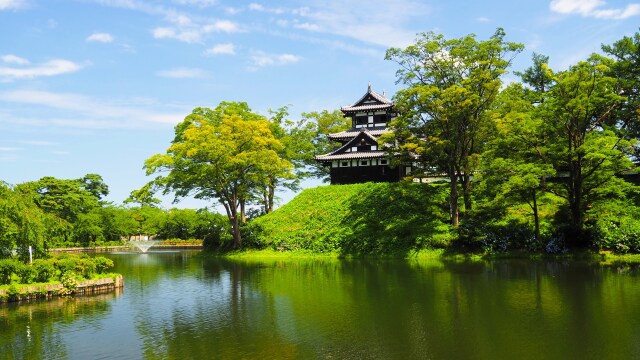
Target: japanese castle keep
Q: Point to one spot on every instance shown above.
(359, 158)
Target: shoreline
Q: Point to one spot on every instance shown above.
(431, 254)
(123, 247)
(28, 293)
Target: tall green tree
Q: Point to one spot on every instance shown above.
(23, 224)
(513, 163)
(220, 154)
(626, 70)
(66, 198)
(585, 148)
(297, 148)
(450, 85)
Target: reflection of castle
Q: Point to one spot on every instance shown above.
(359, 158)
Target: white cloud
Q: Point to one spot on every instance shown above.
(78, 111)
(6, 148)
(49, 68)
(198, 3)
(308, 27)
(182, 73)
(483, 19)
(222, 26)
(13, 59)
(261, 8)
(594, 8)
(100, 37)
(11, 4)
(261, 59)
(187, 36)
(188, 32)
(221, 49)
(181, 27)
(385, 26)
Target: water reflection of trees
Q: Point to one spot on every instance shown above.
(33, 331)
(394, 309)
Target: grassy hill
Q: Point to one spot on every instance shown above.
(359, 219)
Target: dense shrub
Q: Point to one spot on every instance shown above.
(103, 264)
(65, 265)
(85, 267)
(8, 267)
(45, 269)
(621, 236)
(26, 273)
(615, 226)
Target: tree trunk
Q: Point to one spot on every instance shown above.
(243, 212)
(466, 192)
(536, 218)
(272, 191)
(575, 202)
(230, 206)
(237, 237)
(453, 200)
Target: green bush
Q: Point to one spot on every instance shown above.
(69, 283)
(26, 273)
(102, 264)
(8, 267)
(85, 267)
(616, 227)
(622, 236)
(45, 269)
(65, 265)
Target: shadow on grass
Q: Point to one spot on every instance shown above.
(395, 219)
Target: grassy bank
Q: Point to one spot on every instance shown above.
(381, 219)
(428, 255)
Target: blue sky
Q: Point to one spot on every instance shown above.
(96, 86)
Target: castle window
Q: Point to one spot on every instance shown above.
(364, 162)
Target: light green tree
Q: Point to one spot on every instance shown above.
(221, 154)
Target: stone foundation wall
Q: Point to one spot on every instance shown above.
(85, 287)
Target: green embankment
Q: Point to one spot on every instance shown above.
(361, 219)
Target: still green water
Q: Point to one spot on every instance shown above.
(176, 305)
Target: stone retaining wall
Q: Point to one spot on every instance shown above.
(85, 287)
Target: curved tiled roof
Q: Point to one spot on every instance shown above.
(354, 132)
(384, 103)
(366, 107)
(354, 155)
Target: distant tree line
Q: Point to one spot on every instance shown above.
(52, 212)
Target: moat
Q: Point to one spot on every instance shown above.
(177, 305)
